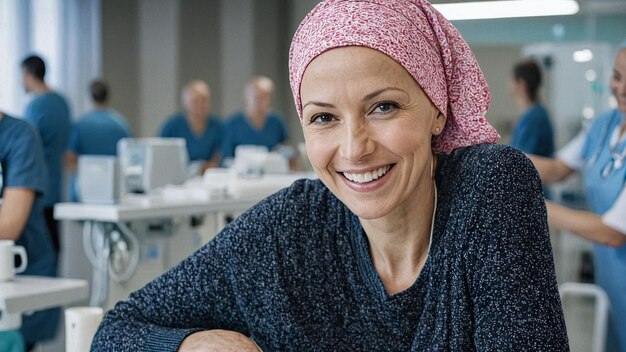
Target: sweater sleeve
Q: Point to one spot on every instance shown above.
(516, 300)
(203, 292)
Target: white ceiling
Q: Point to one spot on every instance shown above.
(587, 7)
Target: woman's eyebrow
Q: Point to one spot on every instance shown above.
(380, 91)
(365, 98)
(318, 103)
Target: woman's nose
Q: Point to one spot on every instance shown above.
(357, 142)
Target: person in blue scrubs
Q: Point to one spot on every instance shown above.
(599, 153)
(23, 183)
(257, 124)
(95, 133)
(202, 131)
(50, 113)
(533, 133)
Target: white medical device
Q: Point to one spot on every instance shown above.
(258, 160)
(150, 163)
(98, 179)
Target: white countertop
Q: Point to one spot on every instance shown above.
(26, 293)
(194, 198)
(135, 210)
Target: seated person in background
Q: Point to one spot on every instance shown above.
(23, 182)
(419, 235)
(257, 124)
(201, 131)
(95, 133)
(533, 132)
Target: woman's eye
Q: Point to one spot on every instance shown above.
(384, 107)
(321, 118)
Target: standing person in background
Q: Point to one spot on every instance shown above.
(599, 153)
(50, 113)
(22, 184)
(257, 124)
(201, 130)
(95, 133)
(533, 132)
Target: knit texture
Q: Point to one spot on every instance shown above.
(294, 273)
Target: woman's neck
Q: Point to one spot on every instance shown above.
(399, 242)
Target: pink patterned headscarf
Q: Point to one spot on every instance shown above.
(420, 39)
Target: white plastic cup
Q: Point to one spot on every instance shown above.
(8, 251)
(81, 324)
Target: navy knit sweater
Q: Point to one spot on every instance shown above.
(294, 273)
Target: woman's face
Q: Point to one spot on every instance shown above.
(618, 80)
(368, 128)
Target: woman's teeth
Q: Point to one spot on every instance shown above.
(367, 176)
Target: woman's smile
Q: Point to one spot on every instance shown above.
(362, 177)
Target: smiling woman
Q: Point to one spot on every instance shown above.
(382, 123)
(419, 235)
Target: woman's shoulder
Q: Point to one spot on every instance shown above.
(305, 207)
(477, 160)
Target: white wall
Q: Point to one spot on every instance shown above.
(497, 62)
(237, 51)
(158, 62)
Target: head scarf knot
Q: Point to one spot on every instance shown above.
(420, 39)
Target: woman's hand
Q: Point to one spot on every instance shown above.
(217, 340)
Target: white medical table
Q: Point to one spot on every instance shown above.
(176, 237)
(157, 253)
(30, 293)
(148, 209)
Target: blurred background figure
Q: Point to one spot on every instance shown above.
(95, 133)
(50, 113)
(257, 124)
(23, 179)
(201, 130)
(533, 131)
(599, 153)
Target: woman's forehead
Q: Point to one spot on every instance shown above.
(359, 62)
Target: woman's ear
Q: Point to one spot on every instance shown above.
(439, 124)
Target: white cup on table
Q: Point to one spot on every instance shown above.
(8, 251)
(81, 324)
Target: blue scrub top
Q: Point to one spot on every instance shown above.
(609, 263)
(533, 133)
(23, 166)
(96, 133)
(238, 131)
(50, 113)
(199, 147)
